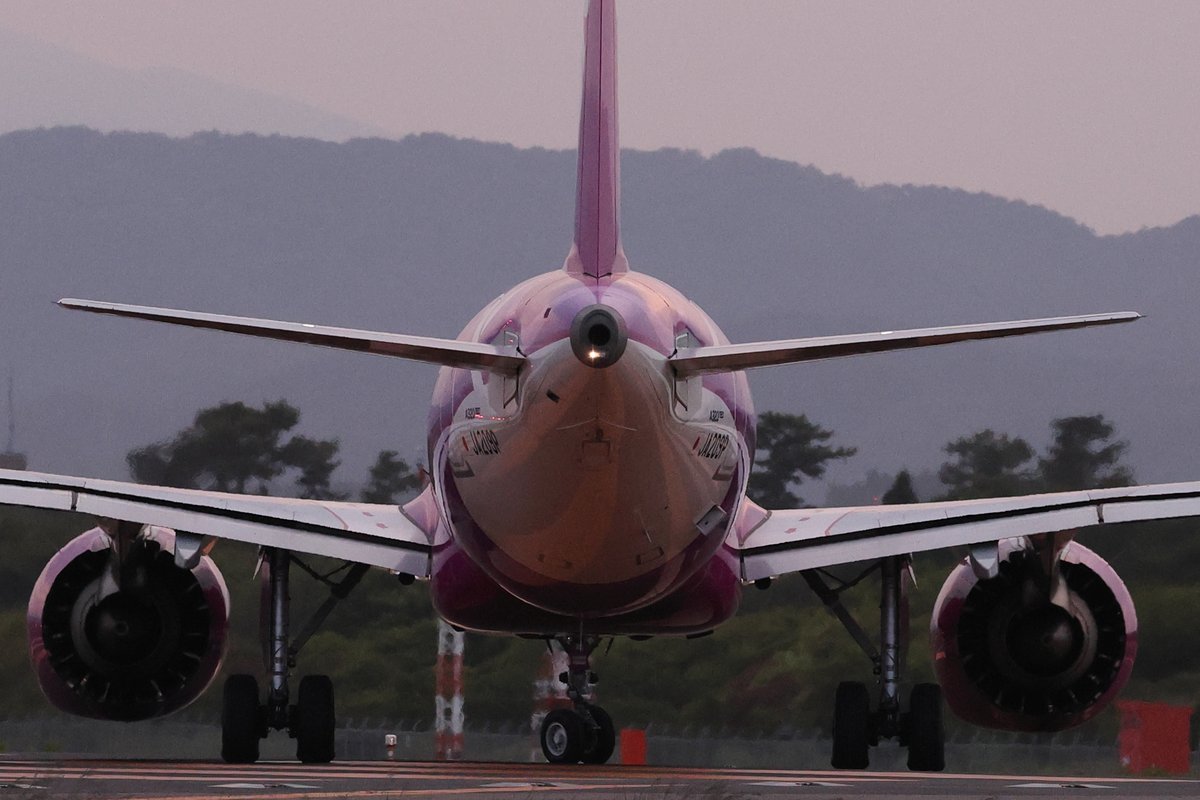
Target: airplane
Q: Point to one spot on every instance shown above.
(590, 439)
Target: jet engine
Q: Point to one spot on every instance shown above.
(118, 631)
(1033, 643)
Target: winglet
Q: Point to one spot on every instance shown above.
(597, 250)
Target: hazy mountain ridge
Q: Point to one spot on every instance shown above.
(44, 85)
(415, 235)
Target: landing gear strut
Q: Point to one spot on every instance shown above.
(584, 733)
(311, 720)
(856, 728)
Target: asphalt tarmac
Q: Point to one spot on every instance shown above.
(201, 780)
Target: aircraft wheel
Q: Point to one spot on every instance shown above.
(603, 740)
(313, 720)
(563, 736)
(851, 726)
(240, 720)
(926, 736)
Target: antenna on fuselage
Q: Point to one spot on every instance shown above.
(12, 417)
(10, 458)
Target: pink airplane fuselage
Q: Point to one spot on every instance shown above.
(589, 499)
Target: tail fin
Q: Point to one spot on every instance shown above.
(597, 251)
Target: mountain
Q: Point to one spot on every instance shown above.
(44, 85)
(415, 235)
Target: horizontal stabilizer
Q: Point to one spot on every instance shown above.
(446, 352)
(733, 357)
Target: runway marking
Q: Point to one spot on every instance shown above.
(281, 778)
(387, 770)
(457, 770)
(442, 773)
(802, 784)
(263, 786)
(1052, 781)
(1059, 786)
(528, 784)
(406, 792)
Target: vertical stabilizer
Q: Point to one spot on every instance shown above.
(597, 251)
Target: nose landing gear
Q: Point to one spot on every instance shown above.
(584, 733)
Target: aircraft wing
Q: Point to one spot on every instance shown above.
(779, 542)
(379, 535)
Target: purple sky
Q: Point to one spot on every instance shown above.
(1090, 108)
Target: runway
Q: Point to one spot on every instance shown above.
(201, 780)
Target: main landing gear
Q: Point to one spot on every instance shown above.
(585, 733)
(856, 728)
(245, 718)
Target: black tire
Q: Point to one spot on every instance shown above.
(926, 736)
(313, 722)
(851, 726)
(603, 740)
(563, 736)
(240, 715)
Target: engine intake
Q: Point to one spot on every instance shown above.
(126, 638)
(1009, 658)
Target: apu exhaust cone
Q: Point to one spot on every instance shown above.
(598, 336)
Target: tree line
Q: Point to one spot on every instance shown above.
(235, 447)
(1083, 454)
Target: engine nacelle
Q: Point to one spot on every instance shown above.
(1009, 659)
(126, 638)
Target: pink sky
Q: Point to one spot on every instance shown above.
(1089, 108)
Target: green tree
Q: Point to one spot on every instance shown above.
(314, 458)
(790, 448)
(901, 491)
(391, 479)
(987, 464)
(233, 447)
(1083, 456)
